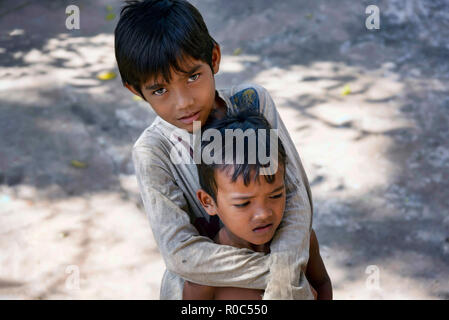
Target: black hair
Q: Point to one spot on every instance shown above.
(245, 119)
(153, 36)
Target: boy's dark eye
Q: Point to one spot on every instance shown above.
(241, 205)
(277, 196)
(194, 77)
(159, 92)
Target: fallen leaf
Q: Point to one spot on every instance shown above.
(346, 90)
(78, 164)
(137, 98)
(64, 234)
(110, 16)
(107, 75)
(109, 8)
(237, 52)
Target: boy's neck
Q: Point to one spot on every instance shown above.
(225, 237)
(219, 108)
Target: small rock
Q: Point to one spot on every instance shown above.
(17, 32)
(415, 72)
(446, 221)
(344, 48)
(389, 65)
(64, 234)
(446, 248)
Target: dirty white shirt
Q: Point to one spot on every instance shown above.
(168, 192)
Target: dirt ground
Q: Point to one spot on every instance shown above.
(367, 109)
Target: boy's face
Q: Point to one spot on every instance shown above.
(250, 213)
(188, 97)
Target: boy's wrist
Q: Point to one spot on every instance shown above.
(324, 291)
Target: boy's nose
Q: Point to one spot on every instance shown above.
(184, 100)
(262, 214)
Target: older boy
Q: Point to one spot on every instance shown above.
(166, 56)
(249, 204)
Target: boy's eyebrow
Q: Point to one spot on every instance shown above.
(158, 85)
(278, 189)
(249, 197)
(242, 197)
(193, 69)
(154, 86)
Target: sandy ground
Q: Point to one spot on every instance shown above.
(367, 109)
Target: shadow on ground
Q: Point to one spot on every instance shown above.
(368, 112)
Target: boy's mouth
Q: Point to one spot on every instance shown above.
(190, 118)
(263, 228)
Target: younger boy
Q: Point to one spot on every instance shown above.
(166, 56)
(250, 205)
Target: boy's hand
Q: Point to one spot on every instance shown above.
(316, 272)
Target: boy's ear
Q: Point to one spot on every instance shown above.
(216, 57)
(131, 88)
(207, 202)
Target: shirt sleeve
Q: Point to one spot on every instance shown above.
(186, 253)
(290, 245)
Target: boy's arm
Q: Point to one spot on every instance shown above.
(186, 253)
(289, 252)
(316, 271)
(290, 246)
(193, 291)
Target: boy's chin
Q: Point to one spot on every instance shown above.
(188, 127)
(191, 127)
(260, 242)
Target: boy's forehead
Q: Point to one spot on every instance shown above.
(186, 65)
(223, 178)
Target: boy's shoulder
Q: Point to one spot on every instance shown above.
(152, 139)
(247, 86)
(250, 95)
(247, 95)
(147, 136)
